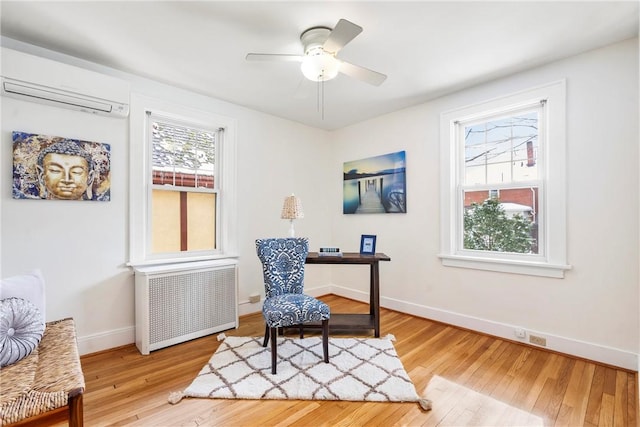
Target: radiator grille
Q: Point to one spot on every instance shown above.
(187, 303)
(172, 307)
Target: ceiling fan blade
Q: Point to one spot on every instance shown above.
(361, 73)
(343, 33)
(282, 57)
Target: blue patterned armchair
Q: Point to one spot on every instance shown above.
(283, 261)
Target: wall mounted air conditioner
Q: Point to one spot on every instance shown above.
(41, 80)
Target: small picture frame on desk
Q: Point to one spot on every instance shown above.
(367, 244)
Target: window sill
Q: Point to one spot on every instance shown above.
(505, 266)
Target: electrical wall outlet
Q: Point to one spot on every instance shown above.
(533, 339)
(254, 298)
(520, 333)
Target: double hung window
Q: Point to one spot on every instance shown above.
(500, 187)
(184, 191)
(182, 201)
(503, 195)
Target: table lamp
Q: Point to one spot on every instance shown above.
(292, 209)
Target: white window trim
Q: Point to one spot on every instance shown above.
(140, 180)
(554, 261)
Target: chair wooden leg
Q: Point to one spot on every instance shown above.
(325, 340)
(301, 332)
(274, 349)
(266, 336)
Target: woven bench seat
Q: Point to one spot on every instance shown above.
(47, 380)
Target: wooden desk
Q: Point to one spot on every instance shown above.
(352, 321)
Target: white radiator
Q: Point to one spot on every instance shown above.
(181, 302)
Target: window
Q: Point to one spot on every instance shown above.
(501, 150)
(503, 195)
(183, 199)
(184, 186)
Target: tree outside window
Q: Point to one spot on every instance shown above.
(488, 228)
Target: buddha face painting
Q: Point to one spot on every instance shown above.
(58, 168)
(65, 176)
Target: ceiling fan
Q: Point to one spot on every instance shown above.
(319, 62)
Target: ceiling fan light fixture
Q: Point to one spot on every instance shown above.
(320, 67)
(319, 62)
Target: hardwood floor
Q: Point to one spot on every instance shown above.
(472, 379)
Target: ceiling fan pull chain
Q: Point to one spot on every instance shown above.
(322, 99)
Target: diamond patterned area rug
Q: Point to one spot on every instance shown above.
(359, 369)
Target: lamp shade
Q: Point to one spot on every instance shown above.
(292, 208)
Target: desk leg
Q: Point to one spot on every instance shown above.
(374, 306)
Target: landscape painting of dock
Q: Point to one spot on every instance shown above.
(375, 185)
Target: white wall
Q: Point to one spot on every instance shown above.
(82, 247)
(593, 312)
(79, 246)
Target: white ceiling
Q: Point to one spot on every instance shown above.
(426, 48)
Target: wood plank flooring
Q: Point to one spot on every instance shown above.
(472, 379)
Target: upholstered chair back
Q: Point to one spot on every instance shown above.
(283, 261)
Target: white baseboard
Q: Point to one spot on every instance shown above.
(603, 354)
(319, 291)
(118, 337)
(106, 340)
(246, 307)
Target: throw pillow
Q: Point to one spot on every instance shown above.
(21, 329)
(27, 286)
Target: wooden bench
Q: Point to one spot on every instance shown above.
(47, 384)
